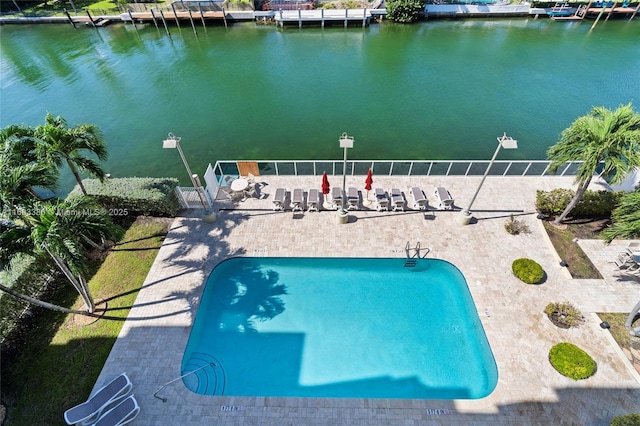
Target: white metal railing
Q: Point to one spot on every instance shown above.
(189, 198)
(539, 168)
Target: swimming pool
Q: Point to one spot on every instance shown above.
(340, 328)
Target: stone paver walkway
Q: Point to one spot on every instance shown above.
(529, 390)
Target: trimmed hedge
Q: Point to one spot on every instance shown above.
(626, 420)
(134, 196)
(571, 361)
(592, 204)
(529, 271)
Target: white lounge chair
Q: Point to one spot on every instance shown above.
(297, 199)
(313, 199)
(336, 197)
(397, 200)
(419, 200)
(278, 199)
(445, 201)
(353, 198)
(624, 260)
(382, 201)
(90, 410)
(121, 414)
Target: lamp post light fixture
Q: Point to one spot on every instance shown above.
(505, 142)
(173, 142)
(346, 142)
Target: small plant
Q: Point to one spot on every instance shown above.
(571, 361)
(529, 271)
(564, 315)
(626, 420)
(515, 226)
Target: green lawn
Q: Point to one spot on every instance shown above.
(56, 362)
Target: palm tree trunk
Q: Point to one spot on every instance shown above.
(78, 283)
(77, 176)
(574, 201)
(94, 244)
(40, 303)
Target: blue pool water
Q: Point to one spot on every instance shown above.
(342, 328)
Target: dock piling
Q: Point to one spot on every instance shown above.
(224, 17)
(204, 25)
(597, 19)
(133, 21)
(69, 18)
(155, 21)
(91, 19)
(192, 24)
(611, 10)
(164, 21)
(173, 7)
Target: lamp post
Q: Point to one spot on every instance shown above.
(173, 142)
(505, 142)
(346, 142)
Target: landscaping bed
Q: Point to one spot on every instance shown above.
(563, 240)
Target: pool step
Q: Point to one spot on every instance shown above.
(210, 380)
(410, 263)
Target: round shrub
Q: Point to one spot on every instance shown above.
(571, 361)
(626, 420)
(564, 315)
(529, 271)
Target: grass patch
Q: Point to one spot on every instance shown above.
(578, 263)
(103, 5)
(58, 361)
(617, 329)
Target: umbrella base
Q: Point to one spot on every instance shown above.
(343, 216)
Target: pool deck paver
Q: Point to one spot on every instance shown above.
(529, 390)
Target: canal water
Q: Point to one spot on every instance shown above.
(434, 90)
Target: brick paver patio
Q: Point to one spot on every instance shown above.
(529, 390)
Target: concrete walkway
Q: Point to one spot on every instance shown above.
(529, 390)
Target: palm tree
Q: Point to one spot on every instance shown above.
(59, 231)
(17, 182)
(56, 143)
(19, 170)
(625, 218)
(612, 137)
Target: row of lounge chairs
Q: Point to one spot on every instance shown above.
(111, 405)
(394, 201)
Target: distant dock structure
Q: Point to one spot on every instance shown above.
(597, 10)
(322, 17)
